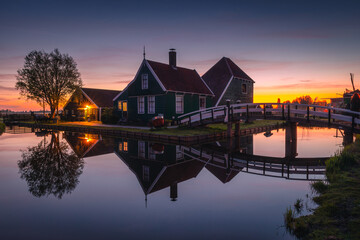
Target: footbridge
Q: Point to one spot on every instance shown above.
(313, 114)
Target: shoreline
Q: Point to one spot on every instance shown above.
(213, 135)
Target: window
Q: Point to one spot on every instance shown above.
(244, 88)
(202, 103)
(120, 105)
(144, 81)
(141, 105)
(125, 146)
(151, 153)
(151, 104)
(141, 149)
(179, 152)
(124, 106)
(121, 147)
(179, 103)
(146, 173)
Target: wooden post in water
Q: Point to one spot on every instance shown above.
(288, 111)
(283, 111)
(264, 111)
(329, 116)
(229, 123)
(247, 113)
(308, 113)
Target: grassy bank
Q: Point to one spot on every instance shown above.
(182, 131)
(338, 213)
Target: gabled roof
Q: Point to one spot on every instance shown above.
(174, 79)
(219, 76)
(101, 97)
(222, 174)
(179, 79)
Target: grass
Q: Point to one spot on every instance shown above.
(182, 131)
(2, 127)
(338, 213)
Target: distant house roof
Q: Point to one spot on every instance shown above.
(179, 79)
(219, 75)
(101, 97)
(222, 174)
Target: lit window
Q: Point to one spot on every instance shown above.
(244, 88)
(179, 104)
(124, 105)
(125, 146)
(141, 105)
(146, 173)
(202, 102)
(151, 104)
(144, 81)
(141, 149)
(120, 105)
(121, 147)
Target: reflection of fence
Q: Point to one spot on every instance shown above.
(18, 130)
(284, 111)
(296, 168)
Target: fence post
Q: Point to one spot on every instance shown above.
(329, 115)
(308, 113)
(190, 120)
(288, 111)
(201, 121)
(264, 111)
(296, 107)
(315, 113)
(283, 111)
(353, 122)
(212, 114)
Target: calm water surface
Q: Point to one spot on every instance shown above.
(81, 186)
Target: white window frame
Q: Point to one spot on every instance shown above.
(141, 149)
(144, 81)
(182, 104)
(141, 105)
(146, 173)
(151, 107)
(246, 88)
(151, 153)
(202, 97)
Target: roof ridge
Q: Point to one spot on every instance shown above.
(227, 64)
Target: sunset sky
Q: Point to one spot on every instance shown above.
(290, 48)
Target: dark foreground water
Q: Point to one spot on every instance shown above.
(81, 186)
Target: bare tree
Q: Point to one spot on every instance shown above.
(48, 77)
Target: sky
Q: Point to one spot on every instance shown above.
(290, 48)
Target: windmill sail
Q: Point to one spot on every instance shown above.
(352, 80)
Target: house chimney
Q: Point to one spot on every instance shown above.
(172, 57)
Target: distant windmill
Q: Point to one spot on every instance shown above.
(352, 80)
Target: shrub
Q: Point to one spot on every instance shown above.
(108, 116)
(319, 187)
(2, 128)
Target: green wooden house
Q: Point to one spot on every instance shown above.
(162, 89)
(229, 82)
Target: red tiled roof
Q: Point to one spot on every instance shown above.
(218, 76)
(101, 97)
(179, 79)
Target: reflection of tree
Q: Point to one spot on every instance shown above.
(50, 168)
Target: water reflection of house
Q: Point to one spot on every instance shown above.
(157, 166)
(88, 104)
(89, 145)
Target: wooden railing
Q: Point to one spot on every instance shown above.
(284, 111)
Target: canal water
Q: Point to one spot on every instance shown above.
(64, 185)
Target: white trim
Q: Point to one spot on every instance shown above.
(205, 83)
(156, 77)
(222, 94)
(130, 83)
(148, 105)
(182, 105)
(89, 98)
(156, 180)
(202, 97)
(100, 114)
(138, 105)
